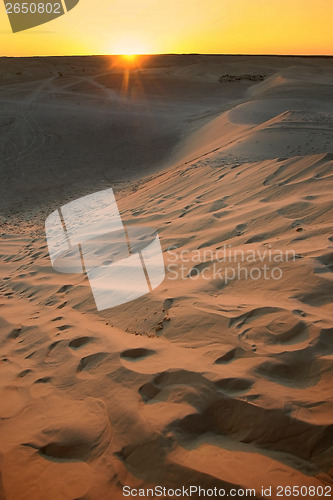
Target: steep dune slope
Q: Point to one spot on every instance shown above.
(288, 114)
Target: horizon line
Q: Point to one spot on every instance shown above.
(174, 54)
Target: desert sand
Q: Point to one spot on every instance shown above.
(205, 381)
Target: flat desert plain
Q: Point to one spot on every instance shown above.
(221, 377)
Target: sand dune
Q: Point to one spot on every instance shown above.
(260, 128)
(212, 379)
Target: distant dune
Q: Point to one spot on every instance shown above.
(213, 379)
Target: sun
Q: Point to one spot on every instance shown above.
(129, 59)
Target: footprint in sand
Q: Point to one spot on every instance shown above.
(64, 327)
(325, 263)
(299, 312)
(240, 229)
(137, 354)
(43, 380)
(219, 215)
(80, 342)
(64, 288)
(218, 205)
(41, 387)
(229, 356)
(167, 304)
(234, 385)
(24, 373)
(61, 305)
(93, 362)
(56, 355)
(148, 391)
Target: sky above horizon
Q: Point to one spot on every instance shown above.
(179, 26)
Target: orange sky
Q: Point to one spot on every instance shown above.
(181, 26)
